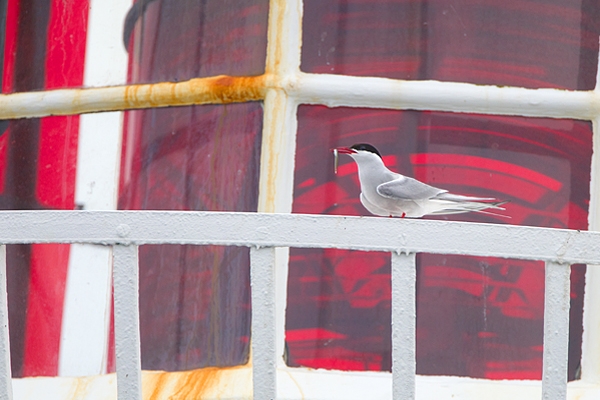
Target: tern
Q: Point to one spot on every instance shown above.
(388, 193)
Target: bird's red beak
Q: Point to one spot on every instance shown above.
(344, 150)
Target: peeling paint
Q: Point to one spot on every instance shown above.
(215, 90)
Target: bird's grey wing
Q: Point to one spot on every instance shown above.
(406, 188)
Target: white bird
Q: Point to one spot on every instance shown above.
(387, 193)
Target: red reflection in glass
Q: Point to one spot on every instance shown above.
(194, 300)
(180, 40)
(479, 317)
(518, 43)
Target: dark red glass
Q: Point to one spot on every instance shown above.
(519, 43)
(479, 317)
(194, 300)
(180, 40)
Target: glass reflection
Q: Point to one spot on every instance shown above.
(479, 317)
(194, 300)
(529, 44)
(179, 40)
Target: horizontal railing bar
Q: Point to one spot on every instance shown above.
(300, 230)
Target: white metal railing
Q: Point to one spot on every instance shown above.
(403, 238)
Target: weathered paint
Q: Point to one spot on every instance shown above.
(279, 124)
(205, 383)
(277, 153)
(300, 230)
(302, 88)
(556, 331)
(215, 90)
(127, 229)
(212, 90)
(296, 383)
(284, 38)
(279, 138)
(291, 87)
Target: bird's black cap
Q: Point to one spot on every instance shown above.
(365, 147)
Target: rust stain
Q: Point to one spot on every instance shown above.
(272, 144)
(80, 388)
(220, 89)
(186, 385)
(276, 34)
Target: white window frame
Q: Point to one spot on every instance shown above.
(283, 88)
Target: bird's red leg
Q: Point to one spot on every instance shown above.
(403, 215)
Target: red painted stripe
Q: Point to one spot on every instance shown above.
(57, 159)
(65, 56)
(44, 308)
(10, 45)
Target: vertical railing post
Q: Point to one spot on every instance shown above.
(127, 322)
(264, 354)
(556, 331)
(403, 326)
(5, 370)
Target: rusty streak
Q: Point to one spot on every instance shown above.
(220, 89)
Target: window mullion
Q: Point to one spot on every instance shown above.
(590, 354)
(279, 135)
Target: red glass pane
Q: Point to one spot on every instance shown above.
(180, 40)
(519, 43)
(479, 317)
(194, 300)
